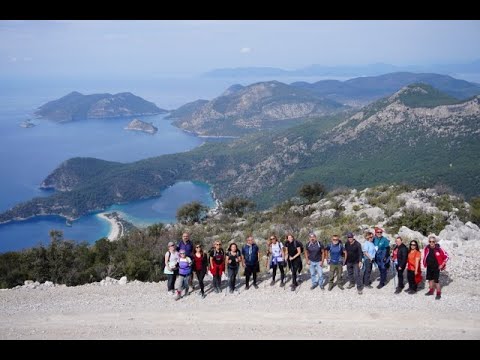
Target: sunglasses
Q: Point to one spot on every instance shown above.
(432, 242)
(273, 238)
(198, 247)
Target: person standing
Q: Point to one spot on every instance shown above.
(314, 256)
(217, 265)
(184, 271)
(353, 260)
(186, 244)
(335, 252)
(400, 257)
(250, 259)
(382, 256)
(232, 260)
(171, 267)
(200, 265)
(434, 259)
(294, 251)
(369, 256)
(276, 258)
(414, 274)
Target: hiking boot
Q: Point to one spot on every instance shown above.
(272, 282)
(255, 286)
(330, 287)
(204, 296)
(438, 297)
(293, 287)
(313, 286)
(411, 291)
(247, 287)
(369, 286)
(231, 291)
(341, 287)
(282, 283)
(350, 286)
(429, 293)
(178, 296)
(380, 286)
(407, 290)
(398, 291)
(360, 292)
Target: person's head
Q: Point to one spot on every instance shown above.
(350, 237)
(290, 238)
(185, 236)
(369, 236)
(182, 253)
(312, 237)
(198, 248)
(378, 232)
(273, 239)
(217, 244)
(233, 247)
(398, 240)
(335, 239)
(171, 246)
(432, 241)
(413, 245)
(250, 240)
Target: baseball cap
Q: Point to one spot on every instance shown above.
(182, 251)
(350, 235)
(171, 243)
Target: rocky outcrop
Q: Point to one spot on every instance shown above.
(138, 125)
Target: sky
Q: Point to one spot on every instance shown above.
(169, 48)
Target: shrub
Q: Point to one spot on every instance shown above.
(237, 206)
(312, 192)
(191, 213)
(419, 221)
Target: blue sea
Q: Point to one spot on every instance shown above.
(28, 155)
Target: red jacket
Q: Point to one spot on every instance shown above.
(440, 254)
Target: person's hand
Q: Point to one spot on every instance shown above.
(308, 262)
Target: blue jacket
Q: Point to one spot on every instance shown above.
(250, 254)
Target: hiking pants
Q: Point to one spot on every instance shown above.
(182, 283)
(295, 267)
(411, 280)
(353, 271)
(250, 270)
(282, 271)
(316, 273)
(171, 280)
(200, 275)
(400, 277)
(335, 269)
(232, 277)
(367, 272)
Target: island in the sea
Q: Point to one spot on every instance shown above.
(76, 106)
(27, 124)
(139, 125)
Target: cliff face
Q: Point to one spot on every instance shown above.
(241, 110)
(76, 106)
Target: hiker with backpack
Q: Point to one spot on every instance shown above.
(184, 271)
(368, 257)
(276, 258)
(251, 262)
(186, 244)
(171, 267)
(399, 258)
(233, 258)
(382, 256)
(353, 259)
(217, 265)
(335, 255)
(314, 252)
(294, 252)
(435, 260)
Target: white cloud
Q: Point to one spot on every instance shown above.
(12, 59)
(245, 50)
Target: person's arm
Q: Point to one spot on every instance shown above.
(299, 252)
(306, 254)
(345, 255)
(417, 263)
(211, 261)
(166, 262)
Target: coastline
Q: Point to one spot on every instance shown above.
(116, 227)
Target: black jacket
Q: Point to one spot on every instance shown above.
(402, 256)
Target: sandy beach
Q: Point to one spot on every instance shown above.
(115, 227)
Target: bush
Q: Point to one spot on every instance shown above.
(191, 213)
(312, 192)
(417, 220)
(475, 210)
(237, 206)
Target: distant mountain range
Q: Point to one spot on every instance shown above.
(418, 135)
(272, 104)
(341, 70)
(76, 106)
(243, 109)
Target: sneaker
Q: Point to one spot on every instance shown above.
(313, 286)
(330, 287)
(369, 286)
(178, 296)
(293, 287)
(247, 287)
(429, 293)
(380, 286)
(438, 297)
(411, 292)
(272, 282)
(360, 292)
(407, 290)
(341, 287)
(231, 291)
(350, 286)
(282, 283)
(204, 296)
(255, 286)
(398, 291)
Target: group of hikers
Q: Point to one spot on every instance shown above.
(184, 260)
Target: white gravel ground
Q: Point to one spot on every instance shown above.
(145, 311)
